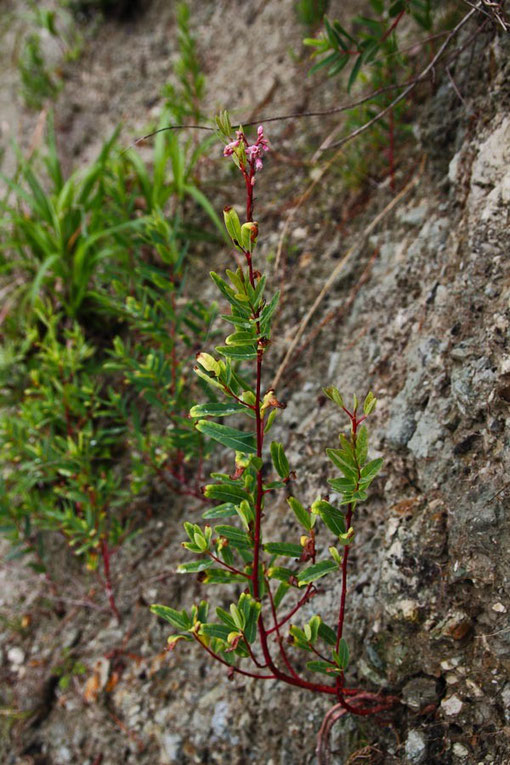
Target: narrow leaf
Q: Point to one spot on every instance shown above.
(230, 437)
(284, 548)
(316, 571)
(178, 619)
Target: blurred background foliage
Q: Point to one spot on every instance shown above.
(98, 332)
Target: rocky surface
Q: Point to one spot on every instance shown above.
(427, 330)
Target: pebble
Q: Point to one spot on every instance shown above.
(451, 706)
(419, 693)
(170, 746)
(15, 655)
(416, 747)
(460, 751)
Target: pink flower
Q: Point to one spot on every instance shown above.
(254, 151)
(229, 148)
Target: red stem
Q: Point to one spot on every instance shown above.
(278, 636)
(229, 568)
(230, 666)
(105, 553)
(308, 594)
(392, 27)
(341, 614)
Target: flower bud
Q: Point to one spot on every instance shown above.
(249, 235)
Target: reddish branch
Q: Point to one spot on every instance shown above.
(105, 554)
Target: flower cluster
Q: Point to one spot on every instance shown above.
(254, 152)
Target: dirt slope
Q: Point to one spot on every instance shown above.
(423, 319)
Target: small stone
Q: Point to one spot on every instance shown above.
(170, 746)
(409, 610)
(416, 747)
(462, 350)
(460, 751)
(299, 232)
(457, 625)
(505, 695)
(426, 436)
(414, 216)
(16, 656)
(499, 608)
(473, 687)
(419, 693)
(451, 706)
(401, 428)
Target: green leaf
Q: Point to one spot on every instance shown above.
(216, 410)
(337, 67)
(344, 461)
(193, 567)
(304, 517)
(209, 380)
(316, 571)
(238, 352)
(397, 8)
(173, 639)
(242, 338)
(343, 485)
(234, 535)
(267, 313)
(334, 394)
(332, 517)
(230, 437)
(230, 295)
(280, 461)
(202, 200)
(354, 72)
(327, 634)
(251, 610)
(225, 492)
(280, 573)
(323, 667)
(343, 654)
(370, 470)
(331, 58)
(226, 618)
(369, 404)
(178, 619)
(227, 510)
(220, 631)
(221, 576)
(361, 445)
(269, 422)
(282, 590)
(246, 514)
(284, 548)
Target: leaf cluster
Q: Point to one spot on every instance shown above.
(369, 49)
(184, 98)
(231, 546)
(101, 335)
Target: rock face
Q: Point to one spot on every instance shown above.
(428, 610)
